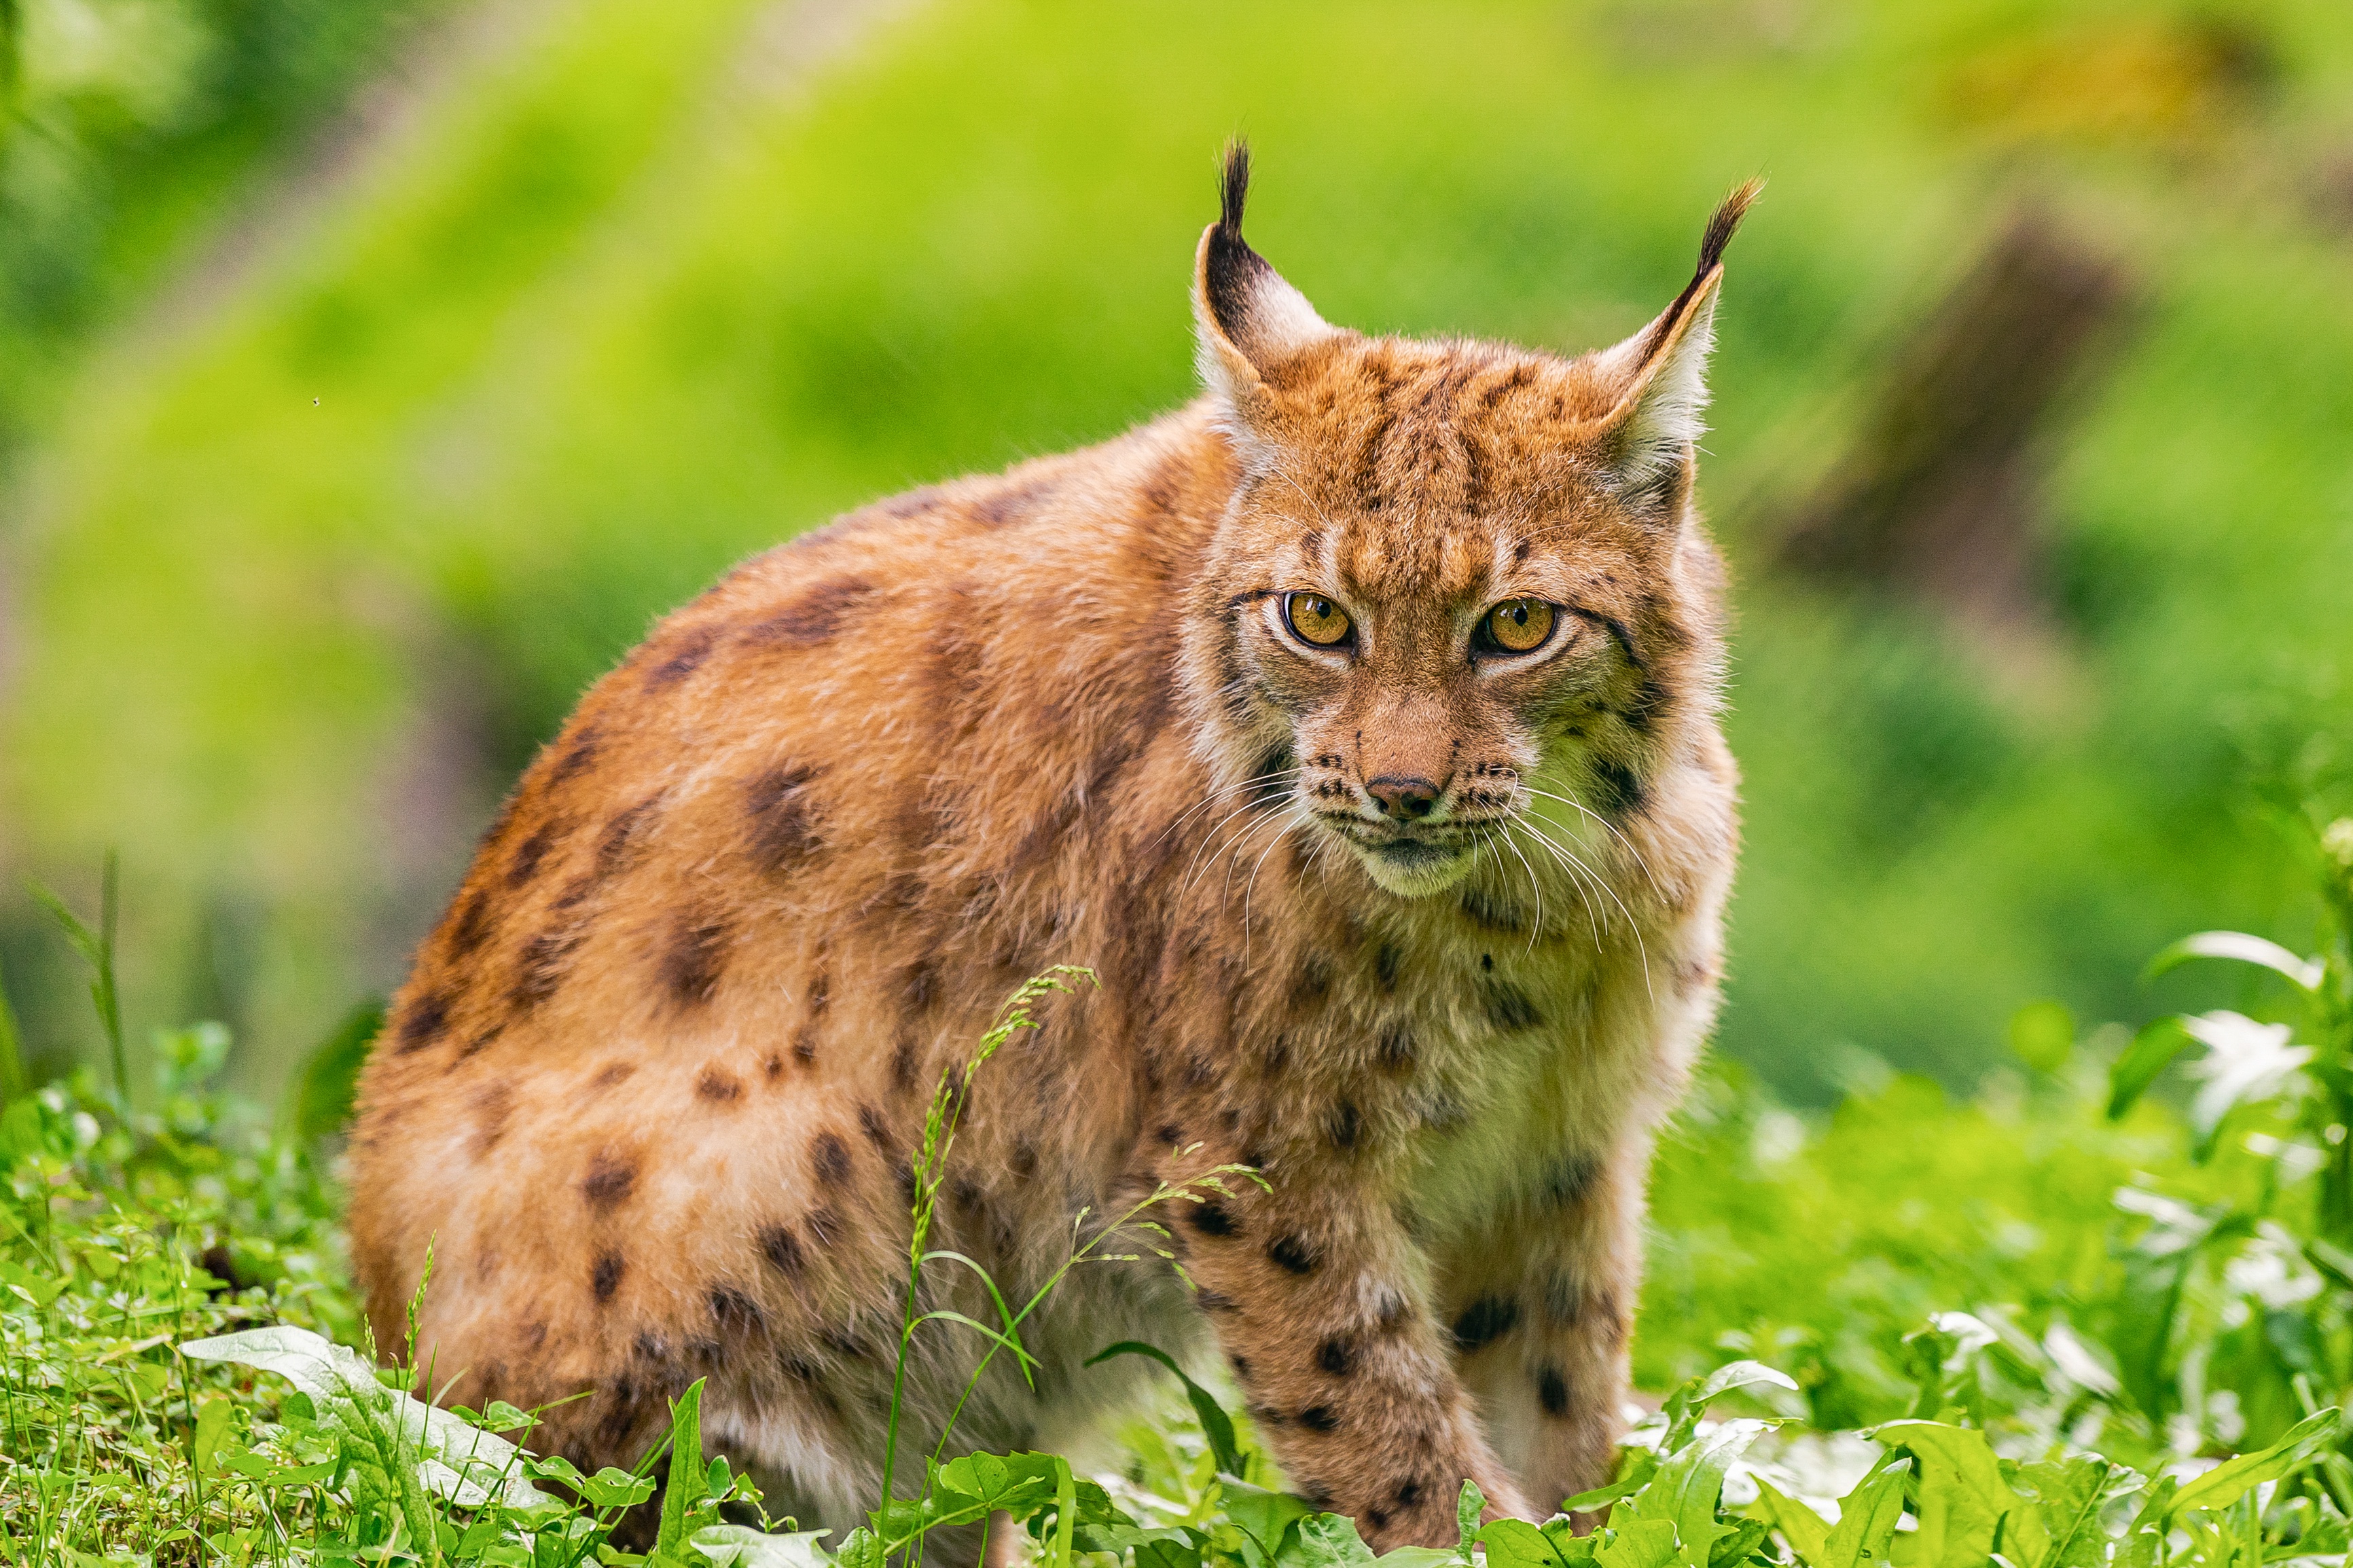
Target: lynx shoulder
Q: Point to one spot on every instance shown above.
(1355, 723)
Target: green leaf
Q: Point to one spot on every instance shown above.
(1326, 1541)
(690, 1484)
(1963, 1496)
(1640, 1466)
(2227, 1482)
(2239, 948)
(1263, 1517)
(1736, 1543)
(1216, 1425)
(1468, 1504)
(1805, 1531)
(1645, 1543)
(1867, 1520)
(2157, 1045)
(212, 1418)
(2043, 1036)
(2067, 1495)
(739, 1546)
(1516, 1543)
(1688, 1484)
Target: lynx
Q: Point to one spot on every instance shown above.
(1355, 723)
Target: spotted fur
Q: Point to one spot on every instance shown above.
(652, 1087)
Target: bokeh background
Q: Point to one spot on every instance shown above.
(372, 374)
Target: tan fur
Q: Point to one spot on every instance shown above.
(653, 1084)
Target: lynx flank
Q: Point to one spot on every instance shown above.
(1355, 722)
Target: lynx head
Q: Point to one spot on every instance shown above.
(1456, 578)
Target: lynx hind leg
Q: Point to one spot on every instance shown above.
(1540, 1301)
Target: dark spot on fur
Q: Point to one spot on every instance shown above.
(1278, 1055)
(1619, 789)
(531, 851)
(1345, 1125)
(618, 843)
(473, 926)
(815, 616)
(1398, 1052)
(829, 1158)
(608, 1181)
(1487, 1319)
(1394, 1310)
(805, 1043)
(1489, 915)
(902, 1063)
(686, 656)
(1211, 1300)
(1170, 1133)
(577, 758)
(614, 1073)
(1409, 1494)
(1378, 1518)
(1025, 1159)
(1337, 1357)
(919, 986)
(1241, 1367)
(772, 1065)
(714, 1084)
(651, 1346)
(1552, 1391)
(783, 829)
(697, 957)
(606, 1277)
(1210, 1218)
(1292, 1253)
(1387, 962)
(781, 1248)
(1318, 1418)
(538, 972)
(731, 1309)
(1008, 505)
(493, 1104)
(877, 1131)
(1310, 983)
(423, 1023)
(1568, 1180)
(1508, 1007)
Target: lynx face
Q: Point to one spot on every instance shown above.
(1449, 577)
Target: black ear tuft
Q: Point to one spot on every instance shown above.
(1723, 225)
(1236, 188)
(1233, 267)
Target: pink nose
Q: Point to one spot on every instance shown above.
(1405, 797)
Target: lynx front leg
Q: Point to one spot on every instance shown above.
(1318, 1298)
(1539, 1300)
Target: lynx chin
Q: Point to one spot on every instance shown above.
(1356, 722)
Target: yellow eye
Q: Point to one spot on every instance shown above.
(1519, 625)
(1317, 619)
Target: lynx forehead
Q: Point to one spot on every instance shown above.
(1355, 723)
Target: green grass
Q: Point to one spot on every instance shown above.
(2049, 1310)
(613, 315)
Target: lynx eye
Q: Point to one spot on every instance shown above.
(1317, 619)
(1518, 625)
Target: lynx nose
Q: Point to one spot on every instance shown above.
(1406, 797)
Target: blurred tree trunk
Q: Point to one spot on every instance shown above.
(1938, 499)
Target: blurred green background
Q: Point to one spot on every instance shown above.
(373, 374)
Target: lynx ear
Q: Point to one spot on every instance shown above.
(1660, 374)
(1247, 319)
